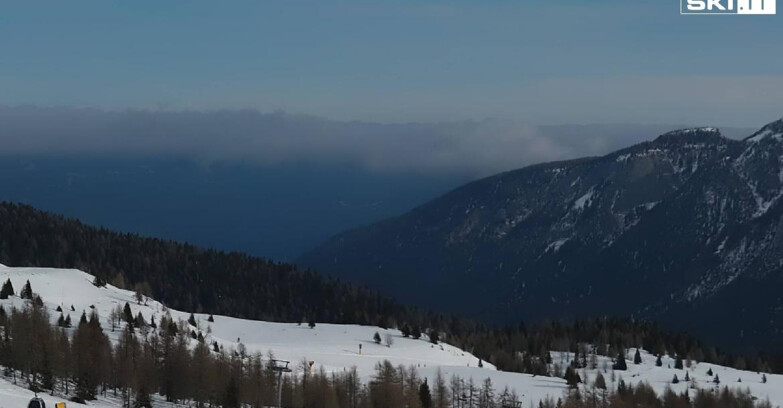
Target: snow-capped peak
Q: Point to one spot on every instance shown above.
(690, 135)
(772, 130)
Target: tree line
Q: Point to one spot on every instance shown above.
(82, 363)
(190, 278)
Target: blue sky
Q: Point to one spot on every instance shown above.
(396, 61)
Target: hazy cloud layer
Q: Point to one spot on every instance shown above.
(475, 147)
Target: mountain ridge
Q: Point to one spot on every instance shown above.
(661, 229)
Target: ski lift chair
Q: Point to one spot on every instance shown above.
(36, 403)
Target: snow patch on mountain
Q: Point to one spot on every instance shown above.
(768, 133)
(585, 200)
(556, 245)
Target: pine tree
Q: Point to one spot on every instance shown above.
(572, 377)
(709, 372)
(127, 314)
(675, 380)
(424, 395)
(68, 323)
(434, 337)
(480, 363)
(678, 362)
(416, 332)
(620, 364)
(139, 320)
(716, 380)
(405, 330)
(600, 382)
(687, 376)
(99, 281)
(7, 290)
(658, 362)
(637, 358)
(27, 291)
(376, 338)
(763, 378)
(211, 319)
(192, 320)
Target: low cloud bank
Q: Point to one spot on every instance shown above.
(476, 147)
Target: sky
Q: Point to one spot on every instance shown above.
(539, 62)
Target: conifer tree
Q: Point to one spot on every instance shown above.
(99, 281)
(675, 380)
(139, 320)
(405, 330)
(637, 358)
(192, 320)
(687, 376)
(425, 398)
(311, 323)
(127, 314)
(572, 377)
(658, 362)
(600, 382)
(27, 291)
(416, 332)
(7, 290)
(376, 338)
(678, 362)
(434, 337)
(620, 364)
(709, 372)
(211, 319)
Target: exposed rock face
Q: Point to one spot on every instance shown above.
(687, 229)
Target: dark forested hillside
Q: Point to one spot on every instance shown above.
(184, 276)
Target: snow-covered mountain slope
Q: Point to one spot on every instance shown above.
(336, 347)
(672, 229)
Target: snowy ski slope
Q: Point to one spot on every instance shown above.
(336, 347)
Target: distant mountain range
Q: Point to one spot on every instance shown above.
(269, 184)
(686, 228)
